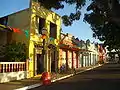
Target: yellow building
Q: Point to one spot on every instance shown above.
(33, 20)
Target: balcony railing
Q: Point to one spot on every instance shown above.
(12, 66)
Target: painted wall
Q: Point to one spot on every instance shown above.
(71, 49)
(60, 58)
(102, 53)
(3, 37)
(49, 16)
(10, 76)
(21, 21)
(74, 59)
(70, 59)
(25, 20)
(94, 53)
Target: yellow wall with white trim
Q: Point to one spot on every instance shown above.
(49, 16)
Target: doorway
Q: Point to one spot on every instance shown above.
(53, 57)
(53, 61)
(40, 64)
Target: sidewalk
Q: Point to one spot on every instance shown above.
(35, 82)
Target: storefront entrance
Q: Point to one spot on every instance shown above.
(53, 57)
(38, 61)
(40, 64)
(53, 61)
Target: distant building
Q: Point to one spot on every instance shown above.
(102, 53)
(75, 53)
(68, 52)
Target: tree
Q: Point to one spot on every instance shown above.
(59, 4)
(105, 22)
(15, 52)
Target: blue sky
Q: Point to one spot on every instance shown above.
(79, 28)
(10, 6)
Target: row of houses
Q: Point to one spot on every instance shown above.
(48, 48)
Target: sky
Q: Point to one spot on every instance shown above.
(79, 28)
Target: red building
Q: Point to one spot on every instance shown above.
(102, 52)
(68, 52)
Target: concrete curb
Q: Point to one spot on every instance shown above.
(62, 77)
(39, 84)
(76, 73)
(29, 87)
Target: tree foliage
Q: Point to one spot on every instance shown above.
(105, 22)
(59, 4)
(15, 52)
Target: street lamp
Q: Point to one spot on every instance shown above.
(44, 35)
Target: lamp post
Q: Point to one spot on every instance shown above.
(44, 35)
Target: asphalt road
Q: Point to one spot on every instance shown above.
(106, 77)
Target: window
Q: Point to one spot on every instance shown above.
(3, 20)
(40, 23)
(53, 30)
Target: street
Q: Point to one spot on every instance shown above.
(106, 77)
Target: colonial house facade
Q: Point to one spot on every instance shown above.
(75, 53)
(93, 54)
(102, 53)
(88, 52)
(68, 52)
(28, 26)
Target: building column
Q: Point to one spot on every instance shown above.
(49, 61)
(88, 59)
(31, 60)
(92, 59)
(77, 60)
(72, 60)
(95, 59)
(85, 61)
(82, 60)
(67, 60)
(57, 60)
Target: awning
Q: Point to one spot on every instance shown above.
(69, 47)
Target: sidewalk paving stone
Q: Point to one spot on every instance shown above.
(19, 83)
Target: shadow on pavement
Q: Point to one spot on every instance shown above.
(106, 77)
